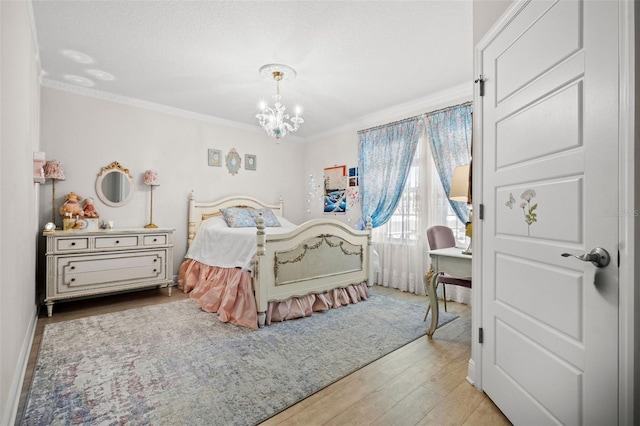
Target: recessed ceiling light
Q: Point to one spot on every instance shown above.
(79, 57)
(101, 75)
(80, 81)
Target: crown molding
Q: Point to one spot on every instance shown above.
(434, 101)
(146, 105)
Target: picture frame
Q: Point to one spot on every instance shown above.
(214, 157)
(335, 186)
(250, 162)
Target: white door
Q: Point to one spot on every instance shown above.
(550, 186)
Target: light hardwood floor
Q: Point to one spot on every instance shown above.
(421, 383)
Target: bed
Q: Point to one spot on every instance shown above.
(255, 275)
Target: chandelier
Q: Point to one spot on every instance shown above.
(274, 120)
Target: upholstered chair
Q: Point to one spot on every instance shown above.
(440, 237)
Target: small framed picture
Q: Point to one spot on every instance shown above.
(215, 157)
(249, 162)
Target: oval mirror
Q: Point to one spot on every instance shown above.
(114, 185)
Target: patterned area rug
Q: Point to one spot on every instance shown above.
(175, 364)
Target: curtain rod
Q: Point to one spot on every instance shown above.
(446, 108)
(417, 116)
(389, 124)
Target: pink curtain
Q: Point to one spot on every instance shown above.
(229, 293)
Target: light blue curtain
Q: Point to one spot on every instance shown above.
(449, 132)
(386, 153)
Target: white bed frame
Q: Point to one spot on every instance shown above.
(318, 256)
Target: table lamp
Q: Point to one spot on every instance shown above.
(460, 192)
(151, 179)
(53, 170)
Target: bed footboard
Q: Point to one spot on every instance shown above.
(318, 256)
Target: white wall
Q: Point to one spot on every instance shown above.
(86, 133)
(485, 15)
(19, 98)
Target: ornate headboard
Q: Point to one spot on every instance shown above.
(200, 211)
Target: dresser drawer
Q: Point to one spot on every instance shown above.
(90, 274)
(117, 241)
(72, 244)
(155, 240)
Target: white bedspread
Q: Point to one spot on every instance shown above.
(216, 244)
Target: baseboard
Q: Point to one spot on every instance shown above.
(471, 372)
(13, 398)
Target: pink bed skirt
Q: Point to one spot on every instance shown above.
(229, 293)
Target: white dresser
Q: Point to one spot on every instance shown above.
(90, 263)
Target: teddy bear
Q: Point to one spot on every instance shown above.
(89, 209)
(71, 206)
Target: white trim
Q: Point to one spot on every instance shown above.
(154, 106)
(15, 390)
(432, 101)
(435, 100)
(507, 16)
(628, 368)
(34, 35)
(474, 375)
(471, 372)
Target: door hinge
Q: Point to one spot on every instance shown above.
(481, 211)
(481, 81)
(618, 258)
(480, 335)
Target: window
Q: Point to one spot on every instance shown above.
(423, 190)
(404, 225)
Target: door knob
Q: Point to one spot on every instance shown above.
(598, 256)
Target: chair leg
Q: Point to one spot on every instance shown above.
(444, 296)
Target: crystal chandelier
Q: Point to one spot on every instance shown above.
(274, 120)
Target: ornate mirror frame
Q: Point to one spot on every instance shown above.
(125, 178)
(233, 161)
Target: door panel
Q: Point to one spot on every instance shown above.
(563, 201)
(522, 60)
(561, 114)
(549, 120)
(514, 349)
(541, 292)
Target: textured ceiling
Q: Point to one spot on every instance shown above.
(353, 58)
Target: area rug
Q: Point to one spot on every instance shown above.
(174, 364)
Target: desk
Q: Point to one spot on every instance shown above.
(453, 262)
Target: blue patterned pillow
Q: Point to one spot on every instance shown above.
(237, 217)
(270, 219)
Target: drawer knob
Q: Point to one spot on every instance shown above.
(117, 241)
(155, 270)
(73, 267)
(73, 279)
(155, 260)
(73, 244)
(155, 239)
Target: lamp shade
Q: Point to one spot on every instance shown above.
(460, 184)
(54, 170)
(151, 178)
